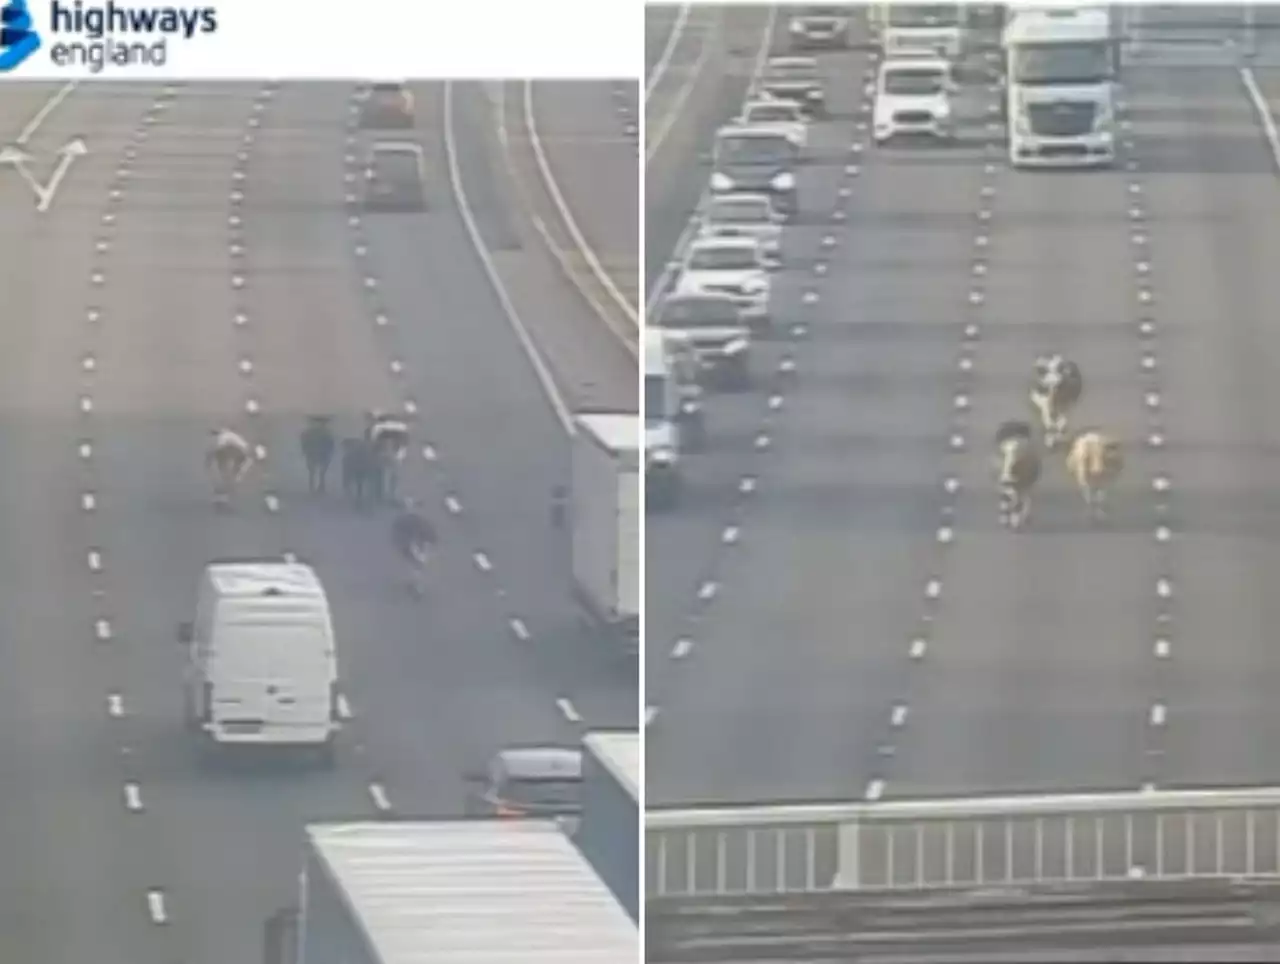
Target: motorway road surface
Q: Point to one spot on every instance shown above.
(199, 205)
(818, 665)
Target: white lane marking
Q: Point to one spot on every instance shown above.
(156, 908)
(707, 591)
(919, 647)
(630, 311)
(344, 708)
(88, 502)
(378, 794)
(272, 503)
(875, 790)
(946, 535)
(729, 535)
(1161, 649)
(568, 710)
(668, 51)
(650, 714)
(453, 505)
(102, 629)
(1263, 110)
(47, 108)
(133, 797)
(540, 368)
(1164, 589)
(682, 648)
(1160, 483)
(1158, 714)
(746, 485)
(899, 715)
(933, 589)
(115, 706)
(95, 560)
(519, 628)
(482, 562)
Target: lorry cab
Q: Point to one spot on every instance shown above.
(262, 665)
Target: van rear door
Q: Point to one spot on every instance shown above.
(273, 675)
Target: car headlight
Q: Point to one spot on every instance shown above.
(755, 287)
(943, 111)
(721, 182)
(783, 182)
(690, 406)
(814, 95)
(737, 346)
(797, 26)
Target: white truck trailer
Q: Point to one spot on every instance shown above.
(1060, 75)
(604, 520)
(449, 892)
(609, 826)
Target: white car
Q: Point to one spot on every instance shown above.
(745, 216)
(913, 98)
(775, 114)
(730, 266)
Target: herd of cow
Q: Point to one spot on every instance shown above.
(1094, 459)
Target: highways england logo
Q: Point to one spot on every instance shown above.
(96, 36)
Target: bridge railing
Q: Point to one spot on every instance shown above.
(978, 842)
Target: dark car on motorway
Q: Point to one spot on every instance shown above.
(388, 107)
(819, 28)
(395, 178)
(528, 781)
(757, 161)
(797, 79)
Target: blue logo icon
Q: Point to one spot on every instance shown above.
(18, 41)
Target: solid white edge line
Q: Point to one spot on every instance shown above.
(653, 144)
(1263, 111)
(540, 368)
(668, 51)
(630, 311)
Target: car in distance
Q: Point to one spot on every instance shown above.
(395, 178)
(755, 160)
(774, 114)
(389, 106)
(797, 79)
(745, 216)
(819, 28)
(913, 99)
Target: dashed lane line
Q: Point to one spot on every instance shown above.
(385, 329)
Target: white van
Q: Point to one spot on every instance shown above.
(262, 669)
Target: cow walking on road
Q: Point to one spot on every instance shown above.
(1055, 393)
(1017, 469)
(1095, 462)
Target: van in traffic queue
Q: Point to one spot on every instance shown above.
(262, 667)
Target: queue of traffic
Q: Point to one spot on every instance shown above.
(1058, 66)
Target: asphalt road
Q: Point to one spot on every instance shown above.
(232, 206)
(1065, 658)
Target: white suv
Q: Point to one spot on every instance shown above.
(913, 98)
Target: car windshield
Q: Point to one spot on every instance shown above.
(915, 82)
(740, 212)
(766, 149)
(553, 793)
(772, 114)
(395, 166)
(700, 313)
(723, 259)
(1087, 62)
(792, 72)
(655, 398)
(822, 12)
(924, 14)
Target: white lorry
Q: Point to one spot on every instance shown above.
(605, 524)
(262, 668)
(1060, 75)
(449, 891)
(905, 28)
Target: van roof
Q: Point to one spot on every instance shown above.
(264, 578)
(617, 432)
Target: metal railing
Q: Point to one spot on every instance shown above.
(981, 842)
